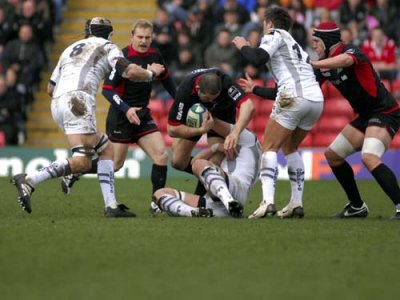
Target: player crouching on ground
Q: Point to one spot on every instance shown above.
(227, 186)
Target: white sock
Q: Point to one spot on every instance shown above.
(105, 174)
(269, 175)
(174, 206)
(57, 168)
(296, 177)
(216, 185)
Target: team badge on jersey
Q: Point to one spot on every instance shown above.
(234, 93)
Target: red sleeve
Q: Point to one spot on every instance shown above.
(243, 99)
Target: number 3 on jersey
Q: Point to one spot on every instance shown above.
(77, 50)
(296, 48)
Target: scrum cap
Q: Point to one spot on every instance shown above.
(98, 26)
(329, 34)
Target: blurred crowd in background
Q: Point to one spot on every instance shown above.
(27, 30)
(198, 33)
(190, 34)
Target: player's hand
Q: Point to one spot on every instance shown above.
(208, 122)
(316, 65)
(156, 68)
(240, 42)
(231, 153)
(132, 116)
(231, 140)
(246, 84)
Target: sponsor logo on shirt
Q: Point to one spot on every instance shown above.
(180, 111)
(234, 93)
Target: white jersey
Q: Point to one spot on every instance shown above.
(83, 65)
(242, 172)
(245, 166)
(289, 65)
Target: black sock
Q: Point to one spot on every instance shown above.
(188, 168)
(93, 169)
(388, 182)
(200, 189)
(345, 175)
(158, 176)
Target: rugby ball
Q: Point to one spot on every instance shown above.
(195, 115)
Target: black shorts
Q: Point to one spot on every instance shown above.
(389, 121)
(120, 130)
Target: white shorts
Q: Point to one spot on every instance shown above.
(75, 113)
(239, 191)
(303, 114)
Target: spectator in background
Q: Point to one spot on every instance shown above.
(200, 31)
(18, 97)
(25, 57)
(231, 22)
(353, 15)
(381, 51)
(303, 15)
(176, 10)
(298, 30)
(206, 10)
(164, 35)
(243, 13)
(185, 63)
(387, 13)
(223, 54)
(6, 29)
(346, 36)
(256, 21)
(10, 114)
(30, 15)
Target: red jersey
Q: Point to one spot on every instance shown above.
(386, 54)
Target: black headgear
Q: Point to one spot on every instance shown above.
(100, 27)
(329, 34)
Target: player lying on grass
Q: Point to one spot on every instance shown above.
(227, 186)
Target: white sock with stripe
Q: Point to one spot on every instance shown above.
(269, 175)
(105, 174)
(296, 177)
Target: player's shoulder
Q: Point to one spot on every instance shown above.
(351, 49)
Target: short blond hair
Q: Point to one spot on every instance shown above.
(142, 23)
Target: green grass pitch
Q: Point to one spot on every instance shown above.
(66, 249)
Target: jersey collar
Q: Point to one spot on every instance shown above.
(133, 52)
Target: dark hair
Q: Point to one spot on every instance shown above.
(210, 83)
(279, 17)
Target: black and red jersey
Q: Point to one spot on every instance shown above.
(223, 107)
(135, 92)
(359, 83)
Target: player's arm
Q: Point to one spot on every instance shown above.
(343, 60)
(223, 129)
(55, 76)
(117, 102)
(180, 130)
(256, 56)
(245, 114)
(249, 86)
(50, 88)
(132, 71)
